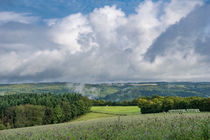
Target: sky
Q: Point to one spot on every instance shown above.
(91, 41)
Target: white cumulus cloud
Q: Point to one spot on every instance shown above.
(160, 41)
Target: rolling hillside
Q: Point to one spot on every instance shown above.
(113, 91)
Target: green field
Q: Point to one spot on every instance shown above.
(117, 110)
(160, 126)
(92, 115)
(98, 112)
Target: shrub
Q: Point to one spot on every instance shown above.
(2, 127)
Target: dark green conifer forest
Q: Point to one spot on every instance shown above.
(21, 110)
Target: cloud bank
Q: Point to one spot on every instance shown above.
(161, 41)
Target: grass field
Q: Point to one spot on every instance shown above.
(161, 126)
(92, 115)
(117, 110)
(98, 112)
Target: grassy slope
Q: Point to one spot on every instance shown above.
(150, 126)
(92, 115)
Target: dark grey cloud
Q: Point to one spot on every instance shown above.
(192, 32)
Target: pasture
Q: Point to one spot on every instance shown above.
(160, 126)
(98, 112)
(117, 110)
(92, 115)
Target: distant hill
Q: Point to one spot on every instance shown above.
(113, 91)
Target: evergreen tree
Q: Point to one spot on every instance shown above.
(58, 114)
(66, 109)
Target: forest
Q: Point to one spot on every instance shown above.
(21, 110)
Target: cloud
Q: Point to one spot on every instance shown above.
(189, 34)
(66, 31)
(160, 41)
(6, 17)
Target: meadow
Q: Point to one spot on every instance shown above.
(98, 112)
(159, 126)
(117, 110)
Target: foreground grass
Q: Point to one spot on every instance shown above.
(117, 110)
(194, 126)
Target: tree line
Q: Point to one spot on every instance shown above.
(21, 110)
(155, 103)
(98, 102)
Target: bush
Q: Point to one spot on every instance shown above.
(2, 127)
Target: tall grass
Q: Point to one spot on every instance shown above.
(163, 126)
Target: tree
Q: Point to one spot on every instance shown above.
(58, 114)
(74, 111)
(48, 116)
(10, 116)
(168, 104)
(28, 115)
(66, 109)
